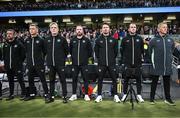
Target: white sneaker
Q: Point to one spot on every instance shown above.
(73, 97)
(98, 99)
(86, 98)
(139, 98)
(116, 99)
(124, 97)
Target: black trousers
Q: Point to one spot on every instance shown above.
(84, 73)
(0, 89)
(135, 73)
(166, 82)
(52, 76)
(40, 72)
(19, 74)
(112, 72)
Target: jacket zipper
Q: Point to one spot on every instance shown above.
(132, 51)
(164, 55)
(33, 51)
(78, 50)
(106, 52)
(53, 52)
(10, 59)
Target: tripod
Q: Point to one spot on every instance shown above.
(132, 93)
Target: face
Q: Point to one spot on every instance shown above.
(163, 29)
(33, 30)
(105, 29)
(10, 35)
(79, 31)
(54, 29)
(132, 29)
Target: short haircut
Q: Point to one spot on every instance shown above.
(53, 23)
(79, 26)
(105, 24)
(161, 23)
(34, 24)
(12, 30)
(131, 24)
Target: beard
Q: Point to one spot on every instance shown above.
(9, 39)
(79, 34)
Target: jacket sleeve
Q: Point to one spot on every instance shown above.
(66, 48)
(90, 50)
(116, 48)
(22, 52)
(43, 47)
(96, 48)
(142, 47)
(151, 46)
(122, 49)
(3, 53)
(71, 46)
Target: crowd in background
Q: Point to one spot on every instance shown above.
(83, 4)
(92, 34)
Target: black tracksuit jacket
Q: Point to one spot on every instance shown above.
(13, 54)
(35, 51)
(106, 50)
(56, 50)
(132, 50)
(80, 50)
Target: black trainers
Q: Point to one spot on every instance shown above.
(169, 102)
(49, 100)
(1, 98)
(22, 97)
(11, 97)
(152, 102)
(65, 100)
(29, 98)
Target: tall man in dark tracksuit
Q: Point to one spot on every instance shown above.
(57, 49)
(161, 48)
(132, 51)
(106, 50)
(81, 51)
(35, 52)
(13, 56)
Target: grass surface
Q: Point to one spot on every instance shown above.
(80, 108)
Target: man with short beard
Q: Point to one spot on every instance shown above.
(132, 53)
(13, 56)
(106, 50)
(81, 51)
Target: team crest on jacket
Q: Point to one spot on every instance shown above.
(28, 41)
(37, 42)
(84, 41)
(127, 41)
(101, 41)
(137, 40)
(15, 46)
(74, 41)
(158, 40)
(169, 40)
(49, 41)
(58, 40)
(110, 41)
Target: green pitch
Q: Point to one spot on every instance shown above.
(80, 108)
